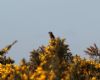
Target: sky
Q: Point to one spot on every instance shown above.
(29, 21)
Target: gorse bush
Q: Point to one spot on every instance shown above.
(54, 61)
(3, 59)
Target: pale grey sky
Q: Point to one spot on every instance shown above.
(29, 21)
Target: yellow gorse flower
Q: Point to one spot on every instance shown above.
(5, 49)
(47, 64)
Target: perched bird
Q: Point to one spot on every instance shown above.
(7, 48)
(51, 35)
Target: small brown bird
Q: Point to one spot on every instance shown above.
(51, 35)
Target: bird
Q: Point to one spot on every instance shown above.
(51, 35)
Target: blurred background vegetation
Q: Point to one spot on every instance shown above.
(54, 61)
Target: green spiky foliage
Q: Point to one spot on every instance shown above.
(34, 59)
(53, 58)
(93, 52)
(3, 59)
(23, 62)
